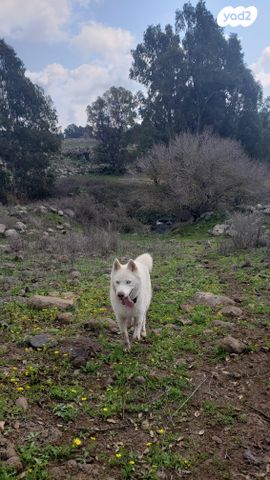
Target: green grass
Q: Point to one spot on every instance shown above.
(169, 361)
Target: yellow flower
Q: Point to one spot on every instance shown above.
(83, 399)
(13, 380)
(56, 352)
(93, 438)
(20, 389)
(73, 390)
(76, 442)
(149, 444)
(161, 431)
(131, 462)
(105, 409)
(118, 455)
(14, 368)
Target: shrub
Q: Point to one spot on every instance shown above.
(205, 172)
(246, 231)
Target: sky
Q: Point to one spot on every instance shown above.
(77, 49)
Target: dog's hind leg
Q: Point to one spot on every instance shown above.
(122, 322)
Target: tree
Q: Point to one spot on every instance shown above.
(76, 131)
(196, 78)
(28, 128)
(110, 117)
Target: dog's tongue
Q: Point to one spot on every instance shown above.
(127, 302)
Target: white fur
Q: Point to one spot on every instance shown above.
(132, 280)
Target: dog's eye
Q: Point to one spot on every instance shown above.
(128, 282)
(117, 282)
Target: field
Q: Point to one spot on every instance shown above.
(177, 406)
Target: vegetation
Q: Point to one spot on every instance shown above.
(28, 131)
(110, 117)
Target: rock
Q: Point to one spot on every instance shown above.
(75, 274)
(80, 350)
(20, 227)
(53, 209)
(251, 458)
(101, 324)
(11, 233)
(65, 317)
(22, 402)
(15, 462)
(185, 321)
(232, 345)
(10, 451)
(63, 258)
(61, 213)
(41, 209)
(207, 215)
(207, 298)
(2, 228)
(41, 340)
(220, 323)
(69, 213)
(42, 301)
(145, 425)
(220, 229)
(231, 311)
(217, 439)
(140, 380)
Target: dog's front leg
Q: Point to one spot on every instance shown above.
(122, 322)
(138, 323)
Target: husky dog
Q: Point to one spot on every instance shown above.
(131, 294)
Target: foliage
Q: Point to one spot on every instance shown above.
(204, 172)
(196, 78)
(110, 117)
(28, 128)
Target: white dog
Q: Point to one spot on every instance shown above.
(131, 294)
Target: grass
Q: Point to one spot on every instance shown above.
(127, 427)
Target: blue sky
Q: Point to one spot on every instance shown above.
(76, 49)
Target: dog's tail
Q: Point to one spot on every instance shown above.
(146, 260)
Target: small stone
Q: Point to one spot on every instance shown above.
(20, 227)
(220, 323)
(41, 340)
(251, 458)
(208, 298)
(217, 439)
(65, 317)
(75, 274)
(15, 462)
(140, 379)
(2, 228)
(11, 232)
(61, 213)
(42, 301)
(10, 451)
(231, 311)
(145, 425)
(22, 402)
(71, 464)
(232, 345)
(185, 321)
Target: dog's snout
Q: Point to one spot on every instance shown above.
(120, 295)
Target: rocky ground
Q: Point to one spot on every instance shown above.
(191, 401)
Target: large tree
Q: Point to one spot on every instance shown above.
(196, 78)
(28, 128)
(110, 118)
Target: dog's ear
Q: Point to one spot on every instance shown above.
(132, 265)
(116, 264)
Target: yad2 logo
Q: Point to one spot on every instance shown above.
(238, 16)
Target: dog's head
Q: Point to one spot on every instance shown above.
(125, 282)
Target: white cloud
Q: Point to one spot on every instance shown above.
(95, 38)
(261, 69)
(73, 89)
(36, 20)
